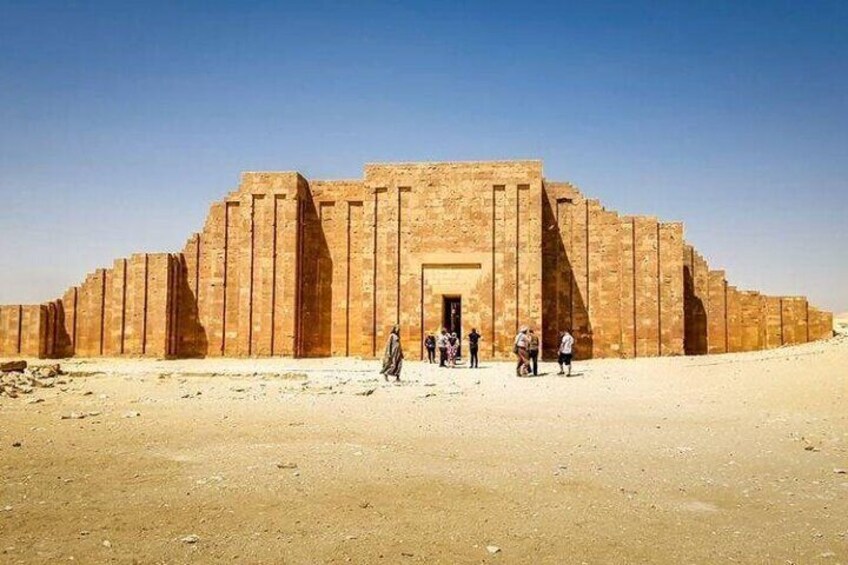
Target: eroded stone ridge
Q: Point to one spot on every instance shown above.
(290, 267)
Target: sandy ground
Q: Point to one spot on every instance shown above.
(734, 458)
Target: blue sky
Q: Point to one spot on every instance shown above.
(121, 122)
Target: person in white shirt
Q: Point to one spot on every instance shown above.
(566, 346)
(442, 344)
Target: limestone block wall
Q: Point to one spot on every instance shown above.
(723, 319)
(615, 282)
(285, 266)
(386, 250)
(124, 310)
(237, 291)
(24, 330)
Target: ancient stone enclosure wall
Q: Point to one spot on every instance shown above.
(290, 267)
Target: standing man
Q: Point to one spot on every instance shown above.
(442, 344)
(533, 351)
(520, 349)
(430, 346)
(473, 340)
(566, 346)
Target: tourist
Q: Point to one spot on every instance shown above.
(566, 346)
(430, 346)
(442, 344)
(393, 357)
(473, 341)
(520, 349)
(453, 349)
(533, 351)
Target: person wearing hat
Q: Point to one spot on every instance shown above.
(520, 349)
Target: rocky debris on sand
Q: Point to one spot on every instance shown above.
(107, 543)
(493, 549)
(366, 392)
(13, 366)
(286, 465)
(26, 380)
(190, 539)
(47, 371)
(132, 414)
(840, 471)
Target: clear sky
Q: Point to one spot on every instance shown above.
(120, 122)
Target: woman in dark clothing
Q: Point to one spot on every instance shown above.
(430, 346)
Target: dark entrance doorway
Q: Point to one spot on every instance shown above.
(452, 317)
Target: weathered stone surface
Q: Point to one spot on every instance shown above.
(287, 266)
(10, 366)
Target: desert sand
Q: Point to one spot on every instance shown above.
(734, 458)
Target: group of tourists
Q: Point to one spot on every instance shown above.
(525, 347)
(449, 345)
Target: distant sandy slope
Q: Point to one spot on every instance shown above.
(734, 458)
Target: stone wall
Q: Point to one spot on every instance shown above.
(285, 266)
(615, 282)
(124, 310)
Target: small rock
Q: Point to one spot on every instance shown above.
(7, 509)
(190, 539)
(839, 471)
(13, 366)
(132, 414)
(286, 465)
(16, 444)
(493, 549)
(84, 533)
(73, 416)
(35, 401)
(366, 392)
(47, 371)
(811, 448)
(107, 543)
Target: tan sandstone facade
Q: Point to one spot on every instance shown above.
(290, 267)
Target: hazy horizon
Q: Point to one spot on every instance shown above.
(120, 126)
